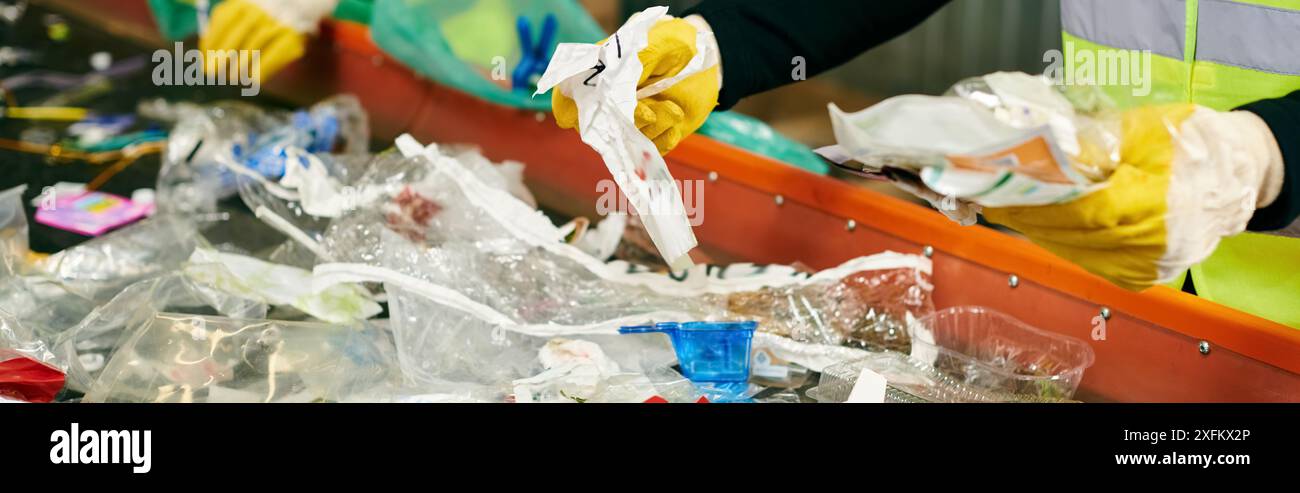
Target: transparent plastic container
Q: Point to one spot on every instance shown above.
(990, 350)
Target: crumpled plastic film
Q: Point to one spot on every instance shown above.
(172, 357)
(318, 186)
(101, 267)
(89, 345)
(279, 211)
(18, 339)
(506, 175)
(43, 304)
(869, 308)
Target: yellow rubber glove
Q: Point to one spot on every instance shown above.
(668, 117)
(1188, 176)
(276, 30)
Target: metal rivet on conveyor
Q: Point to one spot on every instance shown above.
(713, 176)
(1105, 313)
(851, 225)
(928, 251)
(539, 116)
(1013, 280)
(780, 199)
(1204, 347)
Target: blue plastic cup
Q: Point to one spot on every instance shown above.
(707, 351)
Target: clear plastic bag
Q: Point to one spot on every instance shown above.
(325, 186)
(43, 304)
(92, 343)
(173, 357)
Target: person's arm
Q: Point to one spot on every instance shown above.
(759, 39)
(1283, 117)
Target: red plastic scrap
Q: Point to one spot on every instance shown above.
(29, 380)
(660, 400)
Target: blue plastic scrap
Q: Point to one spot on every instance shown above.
(536, 56)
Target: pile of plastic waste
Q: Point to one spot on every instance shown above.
(426, 273)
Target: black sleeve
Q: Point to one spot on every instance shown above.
(760, 38)
(1283, 117)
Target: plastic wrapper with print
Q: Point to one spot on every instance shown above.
(1002, 139)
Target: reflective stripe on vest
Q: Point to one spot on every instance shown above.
(1254, 37)
(1155, 25)
(1234, 33)
(1220, 54)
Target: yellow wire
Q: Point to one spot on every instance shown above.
(94, 158)
(62, 113)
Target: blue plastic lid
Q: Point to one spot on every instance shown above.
(707, 351)
(748, 325)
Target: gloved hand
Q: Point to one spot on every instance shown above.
(668, 117)
(1188, 176)
(277, 29)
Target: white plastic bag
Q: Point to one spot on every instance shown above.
(602, 80)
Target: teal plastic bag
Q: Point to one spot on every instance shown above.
(465, 43)
(753, 135)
